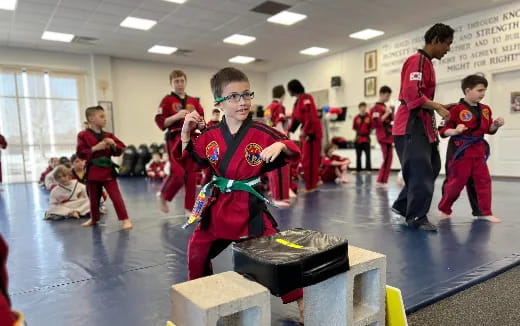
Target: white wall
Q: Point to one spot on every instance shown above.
(139, 87)
(135, 87)
(486, 42)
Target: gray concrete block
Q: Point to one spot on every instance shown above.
(356, 297)
(225, 299)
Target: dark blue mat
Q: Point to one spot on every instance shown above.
(64, 274)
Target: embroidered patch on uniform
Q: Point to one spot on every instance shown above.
(442, 123)
(159, 110)
(212, 151)
(367, 120)
(416, 76)
(485, 113)
(253, 154)
(190, 107)
(465, 115)
(306, 101)
(176, 106)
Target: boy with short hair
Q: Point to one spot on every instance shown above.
(362, 126)
(96, 147)
(238, 151)
(382, 116)
(215, 118)
(468, 151)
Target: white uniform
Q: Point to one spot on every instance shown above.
(65, 199)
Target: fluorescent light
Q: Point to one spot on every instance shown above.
(8, 4)
(286, 18)
(239, 39)
(138, 23)
(366, 34)
(59, 37)
(176, 1)
(241, 59)
(314, 51)
(161, 49)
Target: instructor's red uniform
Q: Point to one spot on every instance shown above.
(384, 137)
(466, 159)
(279, 179)
(187, 173)
(306, 114)
(236, 215)
(99, 177)
(416, 140)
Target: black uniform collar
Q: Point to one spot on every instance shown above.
(178, 97)
(381, 103)
(463, 101)
(421, 51)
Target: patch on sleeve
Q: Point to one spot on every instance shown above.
(442, 123)
(159, 110)
(416, 76)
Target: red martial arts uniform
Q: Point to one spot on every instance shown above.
(279, 179)
(305, 113)
(236, 215)
(7, 316)
(328, 171)
(362, 124)
(100, 172)
(155, 170)
(212, 123)
(187, 173)
(3, 145)
(384, 137)
(415, 138)
(466, 159)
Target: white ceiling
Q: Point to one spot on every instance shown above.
(200, 26)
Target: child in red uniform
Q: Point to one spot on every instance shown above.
(155, 169)
(96, 147)
(8, 317)
(468, 150)
(215, 118)
(362, 125)
(238, 151)
(334, 167)
(170, 116)
(381, 116)
(306, 114)
(279, 179)
(53, 162)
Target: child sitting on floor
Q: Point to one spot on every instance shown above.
(334, 167)
(68, 198)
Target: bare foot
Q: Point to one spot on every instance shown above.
(281, 203)
(301, 310)
(345, 180)
(127, 225)
(89, 223)
(102, 210)
(444, 216)
(308, 191)
(489, 218)
(75, 214)
(292, 194)
(163, 206)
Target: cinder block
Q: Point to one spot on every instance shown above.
(354, 298)
(225, 299)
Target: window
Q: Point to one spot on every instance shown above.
(39, 117)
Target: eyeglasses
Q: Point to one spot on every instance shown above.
(235, 97)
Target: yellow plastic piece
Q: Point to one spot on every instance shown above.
(395, 313)
(289, 244)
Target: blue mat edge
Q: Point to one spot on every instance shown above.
(462, 282)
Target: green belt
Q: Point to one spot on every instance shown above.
(225, 185)
(104, 162)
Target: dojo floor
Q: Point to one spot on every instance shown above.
(63, 274)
